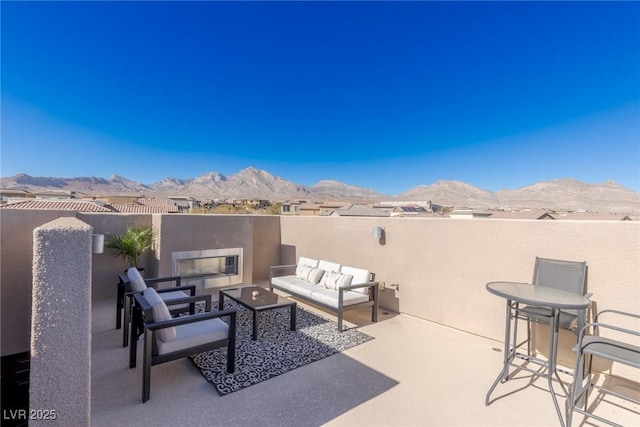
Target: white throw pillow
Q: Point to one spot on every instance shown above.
(160, 313)
(135, 280)
(343, 280)
(315, 275)
(329, 280)
(303, 272)
(308, 262)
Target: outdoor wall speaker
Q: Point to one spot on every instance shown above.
(97, 243)
(378, 232)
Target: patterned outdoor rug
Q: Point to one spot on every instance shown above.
(277, 350)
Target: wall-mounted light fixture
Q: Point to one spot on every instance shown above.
(379, 234)
(97, 243)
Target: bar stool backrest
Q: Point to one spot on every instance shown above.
(568, 276)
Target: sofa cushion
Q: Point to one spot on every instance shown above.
(284, 281)
(301, 288)
(303, 261)
(360, 275)
(135, 280)
(330, 297)
(329, 266)
(160, 313)
(315, 275)
(194, 334)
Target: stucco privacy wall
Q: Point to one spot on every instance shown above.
(181, 232)
(16, 248)
(259, 237)
(105, 266)
(443, 265)
(60, 370)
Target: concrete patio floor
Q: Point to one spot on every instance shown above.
(414, 373)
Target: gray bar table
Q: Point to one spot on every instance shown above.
(517, 293)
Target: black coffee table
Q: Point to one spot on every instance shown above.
(265, 300)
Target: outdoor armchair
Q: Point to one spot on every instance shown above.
(138, 284)
(167, 338)
(619, 349)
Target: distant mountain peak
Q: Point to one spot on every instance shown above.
(563, 193)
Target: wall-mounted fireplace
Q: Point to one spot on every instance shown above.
(209, 268)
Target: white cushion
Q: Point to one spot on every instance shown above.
(194, 334)
(302, 273)
(360, 276)
(160, 313)
(302, 288)
(329, 280)
(343, 280)
(168, 296)
(302, 261)
(315, 275)
(284, 281)
(329, 266)
(330, 297)
(135, 280)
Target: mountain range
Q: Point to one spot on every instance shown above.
(559, 194)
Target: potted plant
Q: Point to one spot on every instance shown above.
(131, 244)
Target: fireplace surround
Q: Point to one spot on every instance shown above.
(209, 268)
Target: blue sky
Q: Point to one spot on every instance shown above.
(382, 95)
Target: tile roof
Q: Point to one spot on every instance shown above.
(360, 210)
(142, 206)
(62, 205)
(144, 209)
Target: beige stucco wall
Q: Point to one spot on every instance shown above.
(443, 265)
(440, 265)
(16, 248)
(105, 266)
(257, 235)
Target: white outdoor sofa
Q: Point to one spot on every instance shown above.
(329, 285)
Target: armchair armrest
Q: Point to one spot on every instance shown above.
(154, 281)
(191, 299)
(596, 324)
(618, 312)
(194, 318)
(190, 288)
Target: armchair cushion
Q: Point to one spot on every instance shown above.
(136, 281)
(160, 313)
(194, 334)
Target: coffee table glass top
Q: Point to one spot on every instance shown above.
(264, 299)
